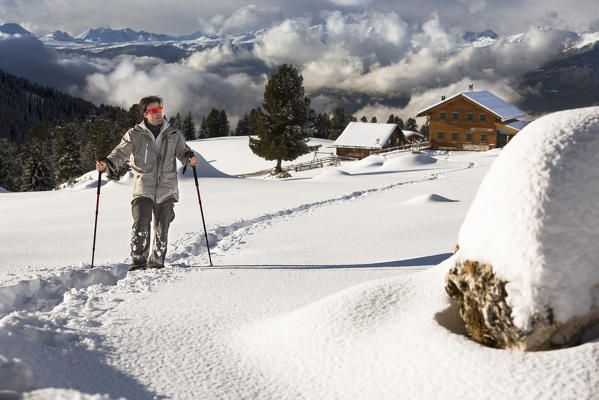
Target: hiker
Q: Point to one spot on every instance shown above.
(152, 146)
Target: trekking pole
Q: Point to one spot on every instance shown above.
(195, 177)
(96, 223)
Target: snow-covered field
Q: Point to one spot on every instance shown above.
(327, 285)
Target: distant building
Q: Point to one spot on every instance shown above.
(360, 139)
(412, 136)
(472, 121)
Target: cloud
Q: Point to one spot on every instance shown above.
(182, 17)
(183, 88)
(251, 18)
(339, 48)
(363, 60)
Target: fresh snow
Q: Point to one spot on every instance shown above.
(326, 285)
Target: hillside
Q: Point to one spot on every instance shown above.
(570, 81)
(26, 105)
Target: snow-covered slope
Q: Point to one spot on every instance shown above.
(317, 290)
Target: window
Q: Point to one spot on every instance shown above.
(440, 135)
(455, 116)
(468, 137)
(442, 115)
(483, 117)
(454, 136)
(469, 116)
(483, 137)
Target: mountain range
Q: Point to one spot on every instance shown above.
(571, 79)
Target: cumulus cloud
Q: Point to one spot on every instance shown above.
(250, 18)
(373, 37)
(183, 88)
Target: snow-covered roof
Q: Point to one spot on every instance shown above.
(412, 133)
(487, 100)
(517, 125)
(364, 134)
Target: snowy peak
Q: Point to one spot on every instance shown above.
(59, 36)
(474, 36)
(197, 35)
(13, 29)
(480, 39)
(108, 35)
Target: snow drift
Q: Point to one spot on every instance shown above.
(535, 218)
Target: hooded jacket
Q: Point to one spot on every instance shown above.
(155, 174)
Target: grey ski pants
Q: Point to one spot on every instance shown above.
(142, 209)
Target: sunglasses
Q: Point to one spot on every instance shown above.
(155, 110)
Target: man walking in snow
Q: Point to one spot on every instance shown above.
(152, 147)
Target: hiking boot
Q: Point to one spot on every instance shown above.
(155, 265)
(135, 267)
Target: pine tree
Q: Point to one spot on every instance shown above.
(38, 168)
(216, 124)
(322, 125)
(203, 133)
(244, 126)
(223, 124)
(281, 123)
(188, 127)
(133, 117)
(399, 123)
(373, 120)
(339, 122)
(66, 152)
(11, 169)
(176, 121)
(364, 119)
(391, 119)
(411, 125)
(425, 128)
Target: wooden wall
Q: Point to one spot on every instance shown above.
(462, 126)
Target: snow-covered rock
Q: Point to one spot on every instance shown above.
(526, 273)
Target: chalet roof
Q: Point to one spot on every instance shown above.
(517, 125)
(487, 100)
(366, 135)
(412, 133)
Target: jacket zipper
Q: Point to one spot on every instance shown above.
(146, 156)
(164, 148)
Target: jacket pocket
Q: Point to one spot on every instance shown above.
(169, 164)
(144, 157)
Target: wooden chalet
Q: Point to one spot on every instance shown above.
(360, 139)
(472, 121)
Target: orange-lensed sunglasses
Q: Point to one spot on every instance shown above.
(154, 110)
